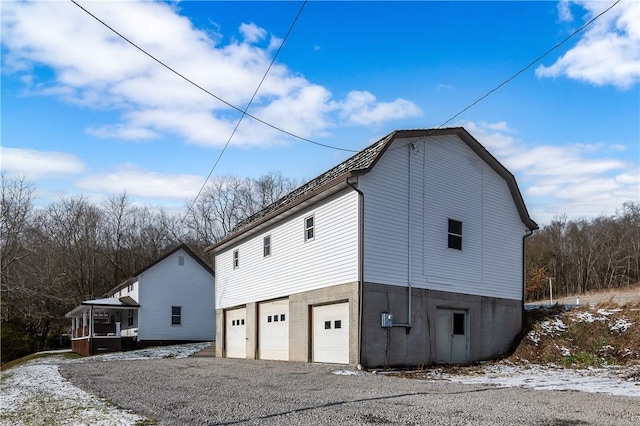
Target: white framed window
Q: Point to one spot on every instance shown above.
(176, 315)
(309, 228)
(454, 234)
(130, 287)
(266, 246)
(236, 259)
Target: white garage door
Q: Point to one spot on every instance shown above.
(331, 333)
(235, 333)
(274, 330)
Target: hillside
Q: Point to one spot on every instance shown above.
(585, 336)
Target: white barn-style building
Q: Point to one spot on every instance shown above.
(411, 252)
(168, 302)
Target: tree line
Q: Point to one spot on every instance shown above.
(581, 255)
(53, 257)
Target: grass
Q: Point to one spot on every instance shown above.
(27, 358)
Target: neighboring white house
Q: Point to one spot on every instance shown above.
(170, 301)
(411, 252)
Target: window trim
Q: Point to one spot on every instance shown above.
(454, 239)
(266, 246)
(176, 319)
(236, 259)
(311, 228)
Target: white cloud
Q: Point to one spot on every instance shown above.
(141, 183)
(93, 67)
(34, 164)
(608, 52)
(362, 107)
(252, 33)
(576, 179)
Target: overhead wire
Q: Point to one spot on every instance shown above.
(508, 80)
(244, 112)
(279, 129)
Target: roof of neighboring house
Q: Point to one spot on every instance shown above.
(361, 163)
(183, 246)
(110, 302)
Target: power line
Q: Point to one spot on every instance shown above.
(243, 112)
(591, 21)
(531, 63)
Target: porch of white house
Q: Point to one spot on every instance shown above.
(104, 325)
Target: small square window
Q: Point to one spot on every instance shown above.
(269, 318)
(281, 317)
(275, 318)
(233, 322)
(454, 235)
(242, 321)
(327, 325)
(337, 324)
(309, 226)
(266, 246)
(176, 315)
(236, 259)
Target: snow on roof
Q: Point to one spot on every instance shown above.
(109, 302)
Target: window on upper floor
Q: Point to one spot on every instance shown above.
(236, 259)
(180, 260)
(455, 234)
(309, 228)
(176, 315)
(130, 287)
(266, 246)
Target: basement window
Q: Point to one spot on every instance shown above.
(309, 227)
(176, 315)
(455, 234)
(236, 259)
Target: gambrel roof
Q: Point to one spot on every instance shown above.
(361, 163)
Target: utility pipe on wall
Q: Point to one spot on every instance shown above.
(412, 147)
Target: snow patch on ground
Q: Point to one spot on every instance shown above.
(612, 380)
(36, 393)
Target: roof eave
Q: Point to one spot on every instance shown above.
(282, 210)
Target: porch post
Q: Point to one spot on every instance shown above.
(84, 322)
(91, 322)
(118, 328)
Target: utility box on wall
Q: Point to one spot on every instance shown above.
(386, 320)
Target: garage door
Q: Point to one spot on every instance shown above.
(273, 333)
(331, 333)
(235, 333)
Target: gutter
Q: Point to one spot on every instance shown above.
(524, 276)
(360, 265)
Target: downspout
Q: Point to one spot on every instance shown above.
(412, 147)
(524, 276)
(361, 264)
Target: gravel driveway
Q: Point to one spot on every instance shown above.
(215, 391)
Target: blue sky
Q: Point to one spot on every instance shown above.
(84, 112)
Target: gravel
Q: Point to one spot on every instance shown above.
(216, 391)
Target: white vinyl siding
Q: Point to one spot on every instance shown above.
(331, 259)
(165, 285)
(448, 181)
